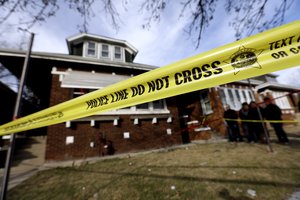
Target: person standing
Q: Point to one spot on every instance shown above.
(231, 117)
(243, 114)
(273, 112)
(256, 129)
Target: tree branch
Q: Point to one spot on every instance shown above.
(154, 8)
(250, 16)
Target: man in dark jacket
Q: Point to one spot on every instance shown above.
(256, 129)
(232, 125)
(273, 112)
(243, 114)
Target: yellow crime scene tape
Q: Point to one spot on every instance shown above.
(266, 52)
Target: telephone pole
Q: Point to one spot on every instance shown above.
(261, 119)
(11, 147)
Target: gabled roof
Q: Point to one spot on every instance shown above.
(83, 36)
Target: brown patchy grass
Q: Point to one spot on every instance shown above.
(203, 171)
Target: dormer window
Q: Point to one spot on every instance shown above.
(102, 48)
(91, 49)
(118, 54)
(105, 51)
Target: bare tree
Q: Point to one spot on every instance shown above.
(201, 13)
(248, 15)
(38, 11)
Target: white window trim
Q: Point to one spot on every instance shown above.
(203, 105)
(134, 111)
(121, 51)
(242, 96)
(109, 51)
(235, 98)
(283, 101)
(226, 96)
(86, 45)
(235, 104)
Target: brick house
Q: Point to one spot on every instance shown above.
(95, 62)
(212, 101)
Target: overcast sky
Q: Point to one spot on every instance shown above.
(165, 42)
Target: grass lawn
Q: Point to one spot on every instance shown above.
(203, 171)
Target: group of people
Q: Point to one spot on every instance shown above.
(251, 125)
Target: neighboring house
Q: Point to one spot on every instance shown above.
(95, 62)
(213, 100)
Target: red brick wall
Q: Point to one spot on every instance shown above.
(58, 94)
(143, 136)
(214, 120)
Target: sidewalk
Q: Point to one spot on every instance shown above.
(27, 161)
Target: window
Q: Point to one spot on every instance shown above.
(205, 102)
(231, 95)
(118, 54)
(159, 104)
(152, 106)
(235, 97)
(91, 49)
(238, 95)
(223, 97)
(105, 51)
(81, 91)
(251, 95)
(281, 100)
(244, 94)
(143, 106)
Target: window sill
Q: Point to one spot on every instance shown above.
(136, 112)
